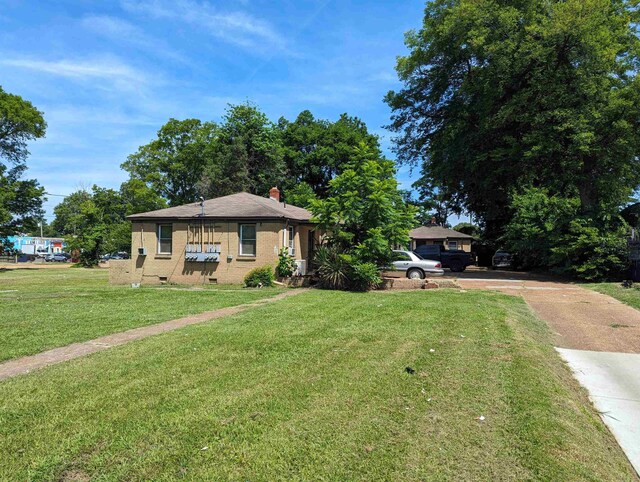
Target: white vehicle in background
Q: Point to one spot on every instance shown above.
(415, 266)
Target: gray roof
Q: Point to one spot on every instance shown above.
(235, 206)
(436, 232)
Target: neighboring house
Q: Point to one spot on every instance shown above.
(217, 241)
(36, 244)
(434, 234)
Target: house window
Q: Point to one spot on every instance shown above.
(247, 240)
(165, 232)
(292, 240)
(453, 245)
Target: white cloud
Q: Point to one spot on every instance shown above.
(105, 68)
(108, 69)
(120, 30)
(236, 27)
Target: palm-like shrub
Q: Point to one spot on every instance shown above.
(342, 271)
(332, 267)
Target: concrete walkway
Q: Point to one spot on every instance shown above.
(613, 382)
(19, 366)
(598, 336)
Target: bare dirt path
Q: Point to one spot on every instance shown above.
(19, 366)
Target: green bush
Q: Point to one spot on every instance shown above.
(364, 276)
(549, 232)
(286, 264)
(592, 254)
(342, 271)
(262, 276)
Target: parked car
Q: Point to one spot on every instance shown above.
(118, 255)
(61, 257)
(49, 257)
(456, 260)
(502, 259)
(414, 266)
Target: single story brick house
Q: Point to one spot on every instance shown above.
(434, 234)
(216, 241)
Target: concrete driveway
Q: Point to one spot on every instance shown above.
(598, 336)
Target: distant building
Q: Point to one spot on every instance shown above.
(434, 234)
(37, 245)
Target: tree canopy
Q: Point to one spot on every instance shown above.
(316, 150)
(498, 96)
(247, 152)
(94, 222)
(502, 97)
(20, 199)
(364, 211)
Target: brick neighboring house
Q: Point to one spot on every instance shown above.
(217, 241)
(434, 234)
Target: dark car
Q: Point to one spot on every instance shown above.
(502, 259)
(456, 260)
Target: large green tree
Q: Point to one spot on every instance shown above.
(173, 163)
(316, 150)
(499, 96)
(247, 152)
(364, 211)
(20, 199)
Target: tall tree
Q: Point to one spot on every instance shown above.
(173, 164)
(20, 199)
(316, 150)
(191, 158)
(364, 211)
(95, 223)
(499, 96)
(250, 151)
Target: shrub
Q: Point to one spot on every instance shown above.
(364, 276)
(286, 264)
(262, 276)
(592, 254)
(342, 271)
(332, 267)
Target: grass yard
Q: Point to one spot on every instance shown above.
(47, 308)
(314, 387)
(630, 296)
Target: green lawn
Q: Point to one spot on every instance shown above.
(630, 296)
(314, 387)
(46, 308)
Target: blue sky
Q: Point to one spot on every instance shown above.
(107, 75)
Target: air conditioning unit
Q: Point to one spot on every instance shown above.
(142, 251)
(301, 267)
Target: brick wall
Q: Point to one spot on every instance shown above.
(120, 271)
(157, 268)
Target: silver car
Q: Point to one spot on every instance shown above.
(415, 266)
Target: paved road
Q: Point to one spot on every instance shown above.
(598, 336)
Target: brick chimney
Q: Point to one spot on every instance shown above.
(274, 193)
